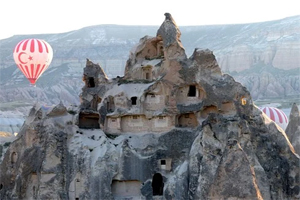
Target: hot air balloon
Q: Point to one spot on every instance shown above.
(278, 116)
(33, 57)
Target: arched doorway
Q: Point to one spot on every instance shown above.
(157, 184)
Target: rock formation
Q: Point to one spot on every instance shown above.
(264, 57)
(293, 128)
(172, 128)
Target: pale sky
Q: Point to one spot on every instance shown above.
(56, 16)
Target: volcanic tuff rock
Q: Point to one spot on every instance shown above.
(172, 128)
(263, 56)
(293, 128)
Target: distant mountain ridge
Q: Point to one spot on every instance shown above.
(264, 57)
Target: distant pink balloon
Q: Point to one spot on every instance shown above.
(278, 116)
(33, 57)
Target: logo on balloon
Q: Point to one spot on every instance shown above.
(23, 55)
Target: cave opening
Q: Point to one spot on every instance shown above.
(91, 82)
(133, 100)
(192, 91)
(157, 184)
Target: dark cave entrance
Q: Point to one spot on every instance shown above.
(133, 100)
(91, 82)
(157, 184)
(192, 91)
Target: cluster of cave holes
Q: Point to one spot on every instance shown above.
(110, 102)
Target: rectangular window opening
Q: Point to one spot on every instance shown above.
(147, 76)
(133, 100)
(192, 91)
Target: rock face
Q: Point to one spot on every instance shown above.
(172, 128)
(264, 57)
(293, 128)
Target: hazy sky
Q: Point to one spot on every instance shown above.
(55, 16)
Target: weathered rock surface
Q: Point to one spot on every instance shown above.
(293, 128)
(5, 140)
(247, 49)
(172, 128)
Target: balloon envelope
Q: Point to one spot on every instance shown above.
(278, 116)
(33, 57)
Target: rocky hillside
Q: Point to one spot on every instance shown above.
(264, 57)
(173, 127)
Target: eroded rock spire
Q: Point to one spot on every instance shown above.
(293, 128)
(169, 31)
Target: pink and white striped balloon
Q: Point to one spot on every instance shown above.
(278, 116)
(33, 57)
